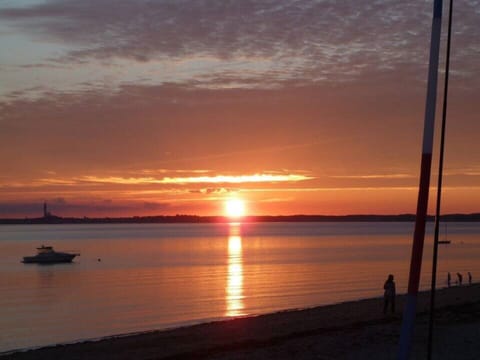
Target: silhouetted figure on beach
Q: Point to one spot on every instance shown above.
(389, 295)
(460, 279)
(449, 279)
(469, 278)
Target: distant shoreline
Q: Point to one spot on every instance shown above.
(194, 219)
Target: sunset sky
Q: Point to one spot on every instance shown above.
(122, 108)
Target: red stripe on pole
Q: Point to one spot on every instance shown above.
(419, 234)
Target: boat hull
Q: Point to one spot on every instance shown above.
(49, 258)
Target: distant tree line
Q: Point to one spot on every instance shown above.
(222, 219)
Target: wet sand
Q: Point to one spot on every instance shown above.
(350, 330)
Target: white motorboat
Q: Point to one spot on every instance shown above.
(46, 255)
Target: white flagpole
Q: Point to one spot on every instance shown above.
(409, 312)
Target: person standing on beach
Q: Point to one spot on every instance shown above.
(469, 278)
(449, 279)
(389, 295)
(460, 279)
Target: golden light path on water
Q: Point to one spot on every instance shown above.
(234, 289)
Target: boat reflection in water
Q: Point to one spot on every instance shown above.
(234, 289)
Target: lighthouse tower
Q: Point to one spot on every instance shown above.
(46, 214)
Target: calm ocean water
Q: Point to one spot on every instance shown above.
(165, 275)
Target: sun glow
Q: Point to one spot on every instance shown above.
(235, 208)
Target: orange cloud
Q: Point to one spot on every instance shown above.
(217, 179)
(374, 176)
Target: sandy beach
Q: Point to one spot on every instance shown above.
(350, 330)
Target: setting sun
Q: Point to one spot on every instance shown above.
(235, 208)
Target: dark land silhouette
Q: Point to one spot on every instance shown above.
(49, 218)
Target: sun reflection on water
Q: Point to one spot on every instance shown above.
(234, 289)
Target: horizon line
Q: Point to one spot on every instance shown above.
(189, 218)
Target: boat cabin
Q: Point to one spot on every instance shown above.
(45, 249)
